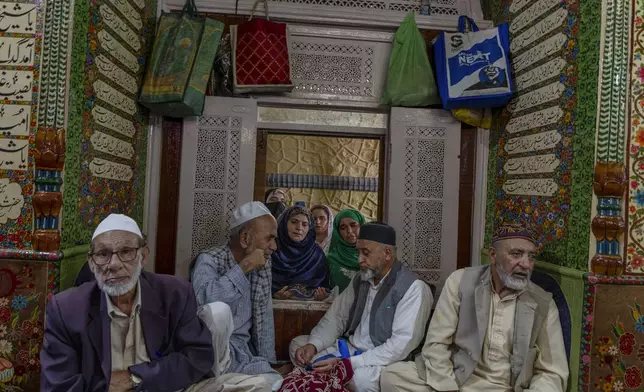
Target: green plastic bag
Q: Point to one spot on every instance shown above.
(182, 58)
(410, 79)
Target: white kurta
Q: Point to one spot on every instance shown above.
(408, 330)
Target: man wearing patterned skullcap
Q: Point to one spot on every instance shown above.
(493, 329)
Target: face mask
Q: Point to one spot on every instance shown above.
(276, 208)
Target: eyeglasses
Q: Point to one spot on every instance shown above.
(103, 257)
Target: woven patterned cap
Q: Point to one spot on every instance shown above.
(513, 230)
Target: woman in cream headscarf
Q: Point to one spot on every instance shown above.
(323, 217)
(343, 254)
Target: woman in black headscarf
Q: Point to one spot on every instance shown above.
(299, 265)
(275, 201)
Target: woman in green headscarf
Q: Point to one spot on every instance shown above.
(343, 254)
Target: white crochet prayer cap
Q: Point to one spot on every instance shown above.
(117, 222)
(247, 212)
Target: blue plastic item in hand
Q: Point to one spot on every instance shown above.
(343, 348)
(309, 367)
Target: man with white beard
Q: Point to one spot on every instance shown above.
(382, 314)
(128, 329)
(493, 329)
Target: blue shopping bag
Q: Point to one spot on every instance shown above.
(473, 68)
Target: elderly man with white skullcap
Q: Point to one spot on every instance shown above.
(232, 283)
(128, 329)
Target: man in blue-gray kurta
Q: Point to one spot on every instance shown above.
(232, 284)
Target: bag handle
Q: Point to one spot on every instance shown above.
(252, 12)
(190, 8)
(466, 24)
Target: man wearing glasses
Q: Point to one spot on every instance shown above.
(128, 330)
(493, 329)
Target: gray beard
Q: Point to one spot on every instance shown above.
(367, 275)
(115, 290)
(511, 282)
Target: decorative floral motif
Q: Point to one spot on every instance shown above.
(5, 314)
(5, 347)
(633, 377)
(616, 360)
(626, 343)
(21, 322)
(20, 302)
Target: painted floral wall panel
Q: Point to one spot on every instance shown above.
(106, 153)
(613, 335)
(635, 200)
(20, 47)
(23, 288)
(339, 172)
(542, 148)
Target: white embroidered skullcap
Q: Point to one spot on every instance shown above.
(247, 212)
(117, 222)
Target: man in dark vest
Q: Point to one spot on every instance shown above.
(381, 315)
(493, 329)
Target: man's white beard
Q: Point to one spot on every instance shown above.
(367, 274)
(115, 290)
(510, 281)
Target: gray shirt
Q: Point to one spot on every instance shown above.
(217, 277)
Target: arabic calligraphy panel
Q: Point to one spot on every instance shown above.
(11, 200)
(534, 164)
(18, 18)
(539, 30)
(112, 132)
(118, 51)
(517, 5)
(532, 143)
(110, 170)
(131, 15)
(545, 49)
(531, 14)
(111, 145)
(117, 25)
(14, 154)
(16, 85)
(15, 120)
(116, 74)
(531, 187)
(17, 51)
(536, 97)
(110, 95)
(540, 74)
(531, 180)
(532, 120)
(113, 121)
(140, 3)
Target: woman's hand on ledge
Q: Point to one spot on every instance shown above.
(321, 294)
(283, 293)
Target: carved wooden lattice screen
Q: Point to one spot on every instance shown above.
(217, 174)
(423, 190)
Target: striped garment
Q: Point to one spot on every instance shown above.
(216, 276)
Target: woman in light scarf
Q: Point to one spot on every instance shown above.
(343, 254)
(323, 217)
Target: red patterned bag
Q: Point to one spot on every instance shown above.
(260, 55)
